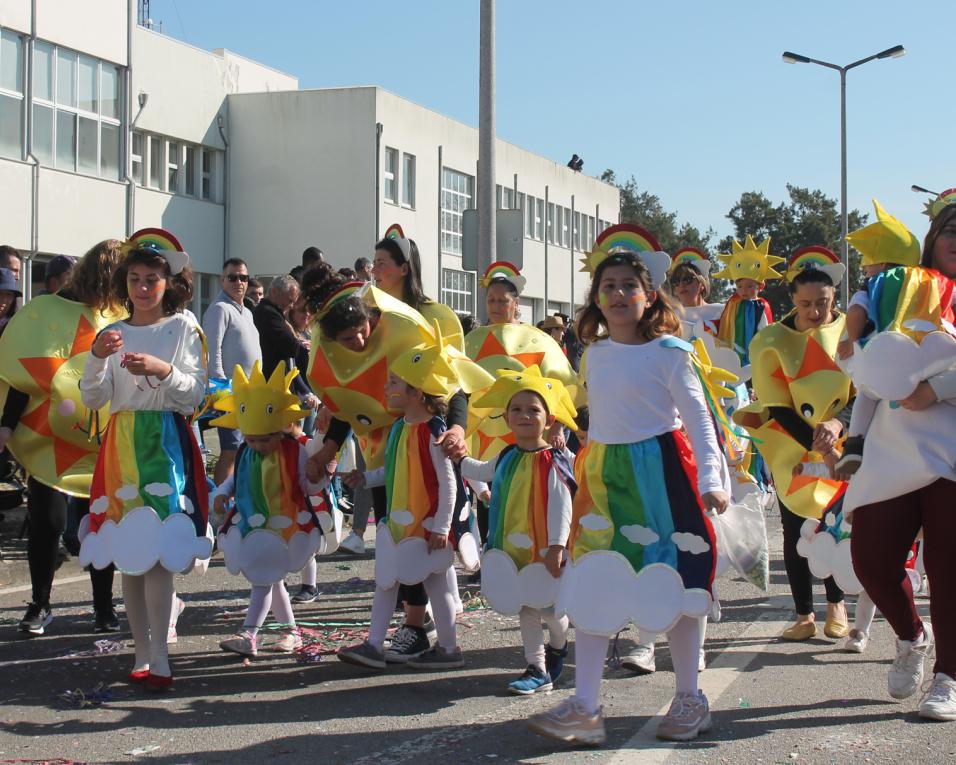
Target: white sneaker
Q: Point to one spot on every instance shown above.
(906, 674)
(701, 660)
(288, 643)
(856, 641)
(641, 660)
(939, 703)
(353, 543)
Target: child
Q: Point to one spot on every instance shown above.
(746, 313)
(532, 486)
(425, 506)
(148, 499)
(642, 546)
(272, 529)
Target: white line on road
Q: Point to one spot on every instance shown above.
(27, 587)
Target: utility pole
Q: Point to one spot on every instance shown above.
(486, 146)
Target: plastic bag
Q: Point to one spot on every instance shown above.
(742, 536)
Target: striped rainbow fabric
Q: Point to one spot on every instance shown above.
(910, 300)
(411, 485)
(740, 321)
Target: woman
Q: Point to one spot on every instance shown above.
(60, 467)
(689, 280)
(799, 393)
(149, 500)
(906, 482)
(298, 317)
(9, 292)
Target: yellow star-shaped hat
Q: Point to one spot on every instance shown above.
(427, 367)
(886, 241)
(509, 382)
(749, 261)
(259, 407)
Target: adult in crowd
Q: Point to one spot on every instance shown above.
(276, 338)
(9, 292)
(363, 269)
(10, 259)
(299, 317)
(57, 273)
(555, 326)
(231, 339)
(86, 300)
(906, 483)
(311, 257)
(254, 293)
(689, 282)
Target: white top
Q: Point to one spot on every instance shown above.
(559, 497)
(693, 315)
(862, 299)
(636, 392)
(175, 339)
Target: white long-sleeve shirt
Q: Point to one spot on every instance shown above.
(636, 392)
(559, 496)
(228, 487)
(175, 339)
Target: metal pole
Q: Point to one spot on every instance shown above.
(844, 246)
(486, 144)
(441, 278)
(547, 196)
(571, 301)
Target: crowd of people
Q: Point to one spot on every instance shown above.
(587, 455)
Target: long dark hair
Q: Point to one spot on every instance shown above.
(179, 287)
(944, 218)
(318, 284)
(810, 276)
(412, 292)
(659, 317)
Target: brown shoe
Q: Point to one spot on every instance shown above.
(800, 631)
(836, 628)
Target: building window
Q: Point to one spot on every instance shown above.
(457, 195)
(205, 184)
(189, 171)
(172, 167)
(136, 158)
(589, 242)
(552, 223)
(508, 199)
(408, 180)
(391, 175)
(539, 219)
(565, 214)
(529, 209)
(576, 239)
(11, 94)
(458, 290)
(176, 167)
(155, 179)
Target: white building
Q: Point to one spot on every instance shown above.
(107, 127)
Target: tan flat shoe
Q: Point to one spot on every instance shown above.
(800, 631)
(836, 628)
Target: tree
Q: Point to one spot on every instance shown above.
(809, 218)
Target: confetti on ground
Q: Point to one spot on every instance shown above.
(142, 750)
(100, 647)
(343, 567)
(82, 699)
(474, 602)
(320, 642)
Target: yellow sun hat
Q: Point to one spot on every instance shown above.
(886, 241)
(427, 367)
(258, 407)
(750, 261)
(509, 382)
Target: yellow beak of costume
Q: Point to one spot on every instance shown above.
(509, 383)
(259, 407)
(886, 241)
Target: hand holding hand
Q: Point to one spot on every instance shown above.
(437, 542)
(219, 504)
(554, 559)
(452, 443)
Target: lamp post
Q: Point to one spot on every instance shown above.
(795, 58)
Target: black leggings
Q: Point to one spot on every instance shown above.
(48, 515)
(411, 594)
(798, 568)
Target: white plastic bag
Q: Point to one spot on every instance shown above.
(742, 537)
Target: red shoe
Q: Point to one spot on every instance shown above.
(158, 682)
(138, 676)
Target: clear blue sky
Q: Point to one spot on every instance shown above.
(692, 98)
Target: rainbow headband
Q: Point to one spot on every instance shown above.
(944, 200)
(397, 235)
(503, 271)
(162, 243)
(749, 261)
(630, 239)
(344, 292)
(691, 256)
(816, 257)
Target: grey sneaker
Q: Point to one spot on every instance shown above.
(688, 716)
(438, 658)
(362, 655)
(939, 703)
(570, 721)
(641, 660)
(243, 643)
(906, 674)
(407, 642)
(36, 619)
(856, 641)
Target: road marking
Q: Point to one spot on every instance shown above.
(27, 587)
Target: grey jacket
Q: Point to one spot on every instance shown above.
(231, 336)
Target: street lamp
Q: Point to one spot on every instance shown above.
(795, 58)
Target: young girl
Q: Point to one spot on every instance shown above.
(148, 499)
(640, 536)
(426, 516)
(530, 518)
(272, 529)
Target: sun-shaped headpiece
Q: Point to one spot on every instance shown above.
(936, 206)
(162, 243)
(259, 407)
(503, 271)
(749, 261)
(509, 382)
(427, 367)
(691, 256)
(886, 241)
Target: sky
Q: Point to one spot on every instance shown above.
(691, 98)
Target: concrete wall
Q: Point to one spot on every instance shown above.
(96, 27)
(197, 224)
(76, 211)
(15, 221)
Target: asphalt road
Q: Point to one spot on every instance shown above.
(773, 702)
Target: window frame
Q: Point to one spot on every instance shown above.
(390, 166)
(458, 290)
(457, 195)
(407, 180)
(18, 96)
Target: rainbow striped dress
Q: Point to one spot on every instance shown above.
(272, 528)
(740, 321)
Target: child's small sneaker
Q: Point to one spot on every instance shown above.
(641, 660)
(532, 681)
(939, 703)
(852, 457)
(362, 655)
(570, 721)
(353, 543)
(407, 642)
(438, 658)
(178, 607)
(288, 643)
(688, 717)
(306, 594)
(856, 641)
(243, 643)
(554, 661)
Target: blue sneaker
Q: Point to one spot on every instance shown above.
(532, 681)
(554, 661)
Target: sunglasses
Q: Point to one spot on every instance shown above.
(681, 281)
(237, 278)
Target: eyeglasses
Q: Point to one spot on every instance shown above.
(683, 280)
(237, 278)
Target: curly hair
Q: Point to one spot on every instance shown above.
(179, 287)
(91, 280)
(318, 284)
(659, 317)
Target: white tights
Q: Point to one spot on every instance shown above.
(590, 651)
(149, 602)
(309, 572)
(864, 612)
(261, 599)
(441, 596)
(649, 638)
(532, 635)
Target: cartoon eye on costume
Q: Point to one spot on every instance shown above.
(242, 408)
(269, 408)
(517, 378)
(807, 411)
(416, 358)
(364, 419)
(548, 386)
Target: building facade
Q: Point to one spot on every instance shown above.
(107, 127)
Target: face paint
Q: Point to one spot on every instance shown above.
(636, 298)
(603, 299)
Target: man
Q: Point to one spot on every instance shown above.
(276, 338)
(363, 270)
(232, 338)
(10, 258)
(57, 273)
(555, 326)
(254, 293)
(311, 257)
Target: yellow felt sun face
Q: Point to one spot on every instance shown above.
(259, 407)
(749, 261)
